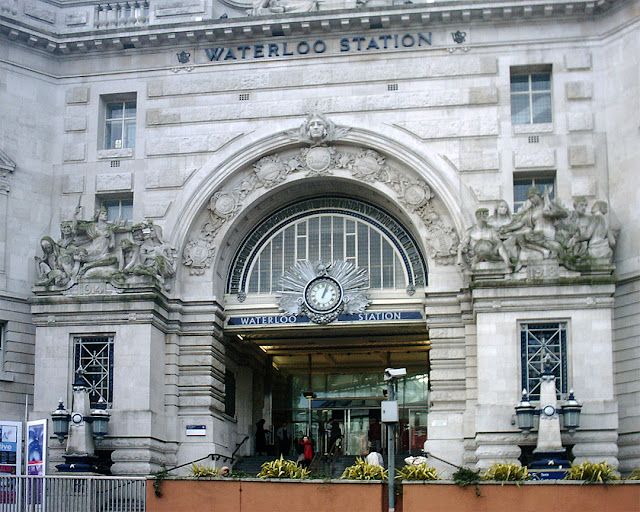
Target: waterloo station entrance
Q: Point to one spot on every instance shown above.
(344, 370)
(326, 279)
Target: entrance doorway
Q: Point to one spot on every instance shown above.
(343, 369)
(352, 425)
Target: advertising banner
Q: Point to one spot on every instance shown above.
(36, 447)
(11, 447)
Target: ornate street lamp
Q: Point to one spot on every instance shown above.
(60, 418)
(549, 462)
(100, 420)
(525, 413)
(80, 428)
(570, 411)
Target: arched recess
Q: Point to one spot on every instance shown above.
(247, 183)
(327, 228)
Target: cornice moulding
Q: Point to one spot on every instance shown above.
(424, 16)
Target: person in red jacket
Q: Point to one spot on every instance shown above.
(307, 450)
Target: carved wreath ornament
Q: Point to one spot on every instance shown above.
(322, 292)
(320, 159)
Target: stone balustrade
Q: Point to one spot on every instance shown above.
(121, 14)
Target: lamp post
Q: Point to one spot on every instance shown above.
(309, 395)
(550, 463)
(389, 414)
(79, 428)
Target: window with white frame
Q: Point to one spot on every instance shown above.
(119, 210)
(539, 340)
(521, 186)
(93, 363)
(119, 122)
(531, 97)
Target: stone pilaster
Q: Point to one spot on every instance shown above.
(448, 376)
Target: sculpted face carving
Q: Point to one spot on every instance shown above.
(580, 205)
(316, 129)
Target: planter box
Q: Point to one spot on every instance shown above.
(251, 495)
(552, 496)
(255, 495)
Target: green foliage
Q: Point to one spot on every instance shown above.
(281, 468)
(591, 472)
(363, 471)
(239, 474)
(506, 472)
(635, 475)
(466, 476)
(418, 472)
(157, 483)
(202, 470)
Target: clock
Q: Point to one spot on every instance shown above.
(549, 410)
(77, 418)
(323, 295)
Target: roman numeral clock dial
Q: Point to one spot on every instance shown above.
(323, 295)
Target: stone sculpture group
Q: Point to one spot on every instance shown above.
(542, 230)
(107, 250)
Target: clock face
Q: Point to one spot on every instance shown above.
(323, 295)
(549, 410)
(77, 418)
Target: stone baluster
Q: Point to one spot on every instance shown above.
(9, 7)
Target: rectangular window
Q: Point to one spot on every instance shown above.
(229, 393)
(537, 341)
(120, 122)
(93, 357)
(531, 97)
(522, 185)
(3, 342)
(119, 210)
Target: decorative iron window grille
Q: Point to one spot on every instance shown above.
(537, 341)
(94, 364)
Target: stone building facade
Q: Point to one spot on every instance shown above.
(207, 207)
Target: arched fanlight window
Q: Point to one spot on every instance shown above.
(328, 229)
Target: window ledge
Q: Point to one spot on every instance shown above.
(533, 128)
(115, 153)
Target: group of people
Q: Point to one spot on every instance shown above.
(305, 447)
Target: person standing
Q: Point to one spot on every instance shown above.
(336, 434)
(307, 450)
(261, 438)
(284, 441)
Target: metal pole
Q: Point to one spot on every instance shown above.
(309, 427)
(391, 449)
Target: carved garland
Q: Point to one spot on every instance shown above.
(319, 160)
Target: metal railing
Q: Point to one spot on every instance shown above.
(71, 494)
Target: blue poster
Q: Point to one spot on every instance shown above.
(36, 447)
